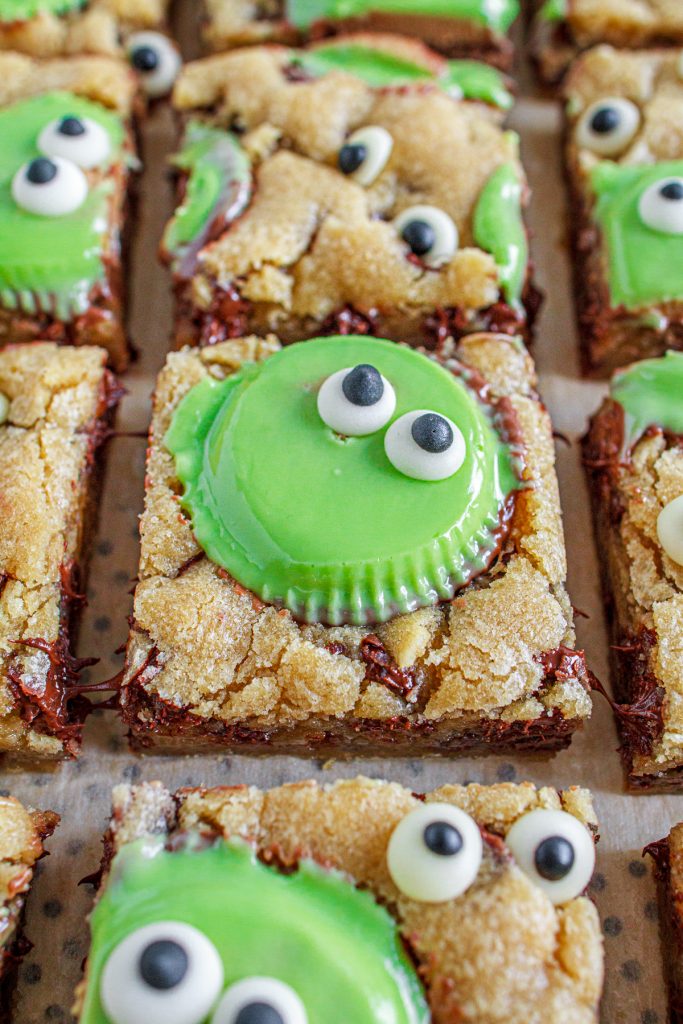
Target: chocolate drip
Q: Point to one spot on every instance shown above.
(380, 667)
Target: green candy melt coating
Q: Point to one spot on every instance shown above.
(313, 930)
(498, 228)
(23, 10)
(553, 10)
(51, 263)
(382, 70)
(325, 525)
(651, 394)
(644, 265)
(497, 15)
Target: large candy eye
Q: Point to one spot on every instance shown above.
(356, 401)
(156, 60)
(555, 850)
(429, 233)
(670, 529)
(164, 973)
(607, 127)
(425, 445)
(78, 139)
(661, 206)
(260, 1001)
(49, 187)
(434, 853)
(365, 154)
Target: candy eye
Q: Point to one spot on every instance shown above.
(434, 853)
(78, 139)
(555, 850)
(164, 973)
(49, 187)
(429, 233)
(356, 401)
(365, 154)
(156, 60)
(607, 127)
(425, 445)
(661, 206)
(670, 529)
(260, 1001)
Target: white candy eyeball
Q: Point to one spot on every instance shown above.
(156, 61)
(163, 973)
(670, 530)
(356, 401)
(661, 206)
(555, 850)
(434, 853)
(260, 1001)
(429, 233)
(425, 445)
(50, 187)
(608, 126)
(365, 154)
(78, 139)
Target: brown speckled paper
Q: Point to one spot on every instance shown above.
(80, 792)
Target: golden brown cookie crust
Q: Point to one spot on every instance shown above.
(102, 79)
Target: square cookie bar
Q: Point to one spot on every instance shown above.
(323, 585)
(624, 156)
(56, 406)
(667, 857)
(22, 834)
(313, 201)
(458, 28)
(65, 169)
(356, 901)
(634, 459)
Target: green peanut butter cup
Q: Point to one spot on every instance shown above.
(23, 10)
(651, 394)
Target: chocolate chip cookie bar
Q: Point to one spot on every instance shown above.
(634, 459)
(667, 858)
(56, 406)
(351, 547)
(314, 202)
(357, 901)
(625, 169)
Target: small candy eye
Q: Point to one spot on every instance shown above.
(670, 529)
(78, 139)
(260, 1001)
(555, 850)
(365, 154)
(607, 127)
(661, 206)
(356, 401)
(164, 973)
(49, 187)
(156, 60)
(434, 853)
(425, 445)
(429, 233)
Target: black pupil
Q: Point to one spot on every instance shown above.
(259, 1013)
(163, 964)
(420, 236)
(145, 58)
(432, 433)
(351, 156)
(363, 385)
(672, 190)
(605, 120)
(41, 170)
(71, 126)
(443, 839)
(554, 858)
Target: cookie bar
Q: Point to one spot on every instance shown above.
(65, 173)
(465, 903)
(565, 28)
(56, 406)
(322, 584)
(472, 29)
(625, 169)
(22, 834)
(634, 458)
(667, 857)
(313, 201)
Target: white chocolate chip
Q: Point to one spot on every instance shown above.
(670, 529)
(4, 408)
